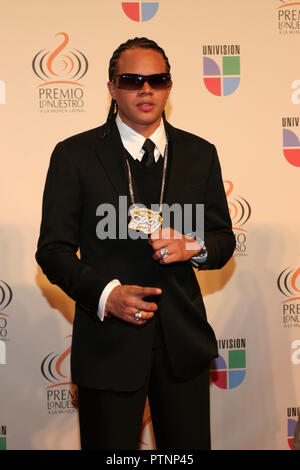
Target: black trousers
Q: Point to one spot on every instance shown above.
(179, 410)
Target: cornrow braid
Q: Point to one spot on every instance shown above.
(131, 44)
(113, 68)
(112, 113)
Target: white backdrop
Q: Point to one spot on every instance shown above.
(245, 98)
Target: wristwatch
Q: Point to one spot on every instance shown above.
(201, 257)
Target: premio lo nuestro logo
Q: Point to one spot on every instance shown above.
(291, 142)
(61, 70)
(6, 296)
(288, 17)
(221, 74)
(61, 394)
(228, 370)
(240, 213)
(140, 11)
(288, 283)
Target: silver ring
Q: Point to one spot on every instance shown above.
(138, 315)
(164, 253)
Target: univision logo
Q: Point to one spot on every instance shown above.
(221, 75)
(293, 415)
(228, 370)
(291, 425)
(291, 142)
(3, 433)
(140, 11)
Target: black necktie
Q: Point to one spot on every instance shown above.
(148, 157)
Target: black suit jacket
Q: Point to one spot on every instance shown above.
(85, 171)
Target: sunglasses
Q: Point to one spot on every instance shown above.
(134, 81)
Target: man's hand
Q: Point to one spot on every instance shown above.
(179, 247)
(125, 301)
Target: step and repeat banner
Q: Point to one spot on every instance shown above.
(235, 68)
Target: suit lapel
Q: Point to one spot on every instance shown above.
(176, 167)
(110, 152)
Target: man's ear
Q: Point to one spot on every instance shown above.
(112, 89)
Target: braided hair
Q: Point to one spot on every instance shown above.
(113, 67)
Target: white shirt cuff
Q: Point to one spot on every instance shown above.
(103, 298)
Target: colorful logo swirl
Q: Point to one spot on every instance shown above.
(57, 67)
(287, 284)
(239, 208)
(287, 4)
(5, 296)
(51, 368)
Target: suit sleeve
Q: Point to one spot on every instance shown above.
(59, 239)
(218, 235)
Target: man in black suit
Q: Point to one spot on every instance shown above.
(140, 325)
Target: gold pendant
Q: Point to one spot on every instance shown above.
(145, 220)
